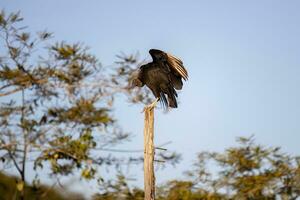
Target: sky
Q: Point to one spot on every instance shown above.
(242, 58)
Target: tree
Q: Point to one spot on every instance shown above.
(56, 103)
(8, 190)
(119, 189)
(249, 171)
(246, 172)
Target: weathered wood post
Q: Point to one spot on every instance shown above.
(149, 177)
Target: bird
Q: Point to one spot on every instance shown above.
(163, 76)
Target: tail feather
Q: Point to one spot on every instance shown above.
(172, 94)
(163, 100)
(172, 102)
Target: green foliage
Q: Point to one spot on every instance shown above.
(56, 104)
(65, 154)
(8, 190)
(83, 112)
(48, 110)
(249, 171)
(185, 190)
(246, 172)
(119, 189)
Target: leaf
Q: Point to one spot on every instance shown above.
(23, 37)
(20, 186)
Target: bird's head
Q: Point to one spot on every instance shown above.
(134, 80)
(136, 83)
(155, 51)
(157, 55)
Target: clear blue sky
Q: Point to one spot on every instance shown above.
(243, 58)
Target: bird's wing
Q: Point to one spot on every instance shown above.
(174, 63)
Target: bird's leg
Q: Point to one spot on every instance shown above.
(152, 105)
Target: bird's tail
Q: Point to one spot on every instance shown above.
(163, 101)
(172, 102)
(172, 94)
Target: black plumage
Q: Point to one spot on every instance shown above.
(163, 76)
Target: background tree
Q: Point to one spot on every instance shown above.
(56, 104)
(246, 172)
(249, 171)
(8, 191)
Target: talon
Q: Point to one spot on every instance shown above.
(152, 105)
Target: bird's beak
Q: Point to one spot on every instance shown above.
(131, 86)
(136, 83)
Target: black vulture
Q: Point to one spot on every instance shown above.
(163, 76)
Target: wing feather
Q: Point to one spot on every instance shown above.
(173, 62)
(177, 64)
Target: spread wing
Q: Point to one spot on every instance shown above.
(175, 64)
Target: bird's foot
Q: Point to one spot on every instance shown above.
(152, 105)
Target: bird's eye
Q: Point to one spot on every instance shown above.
(137, 82)
(158, 56)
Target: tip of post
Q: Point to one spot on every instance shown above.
(147, 108)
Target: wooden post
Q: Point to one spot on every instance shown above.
(149, 178)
